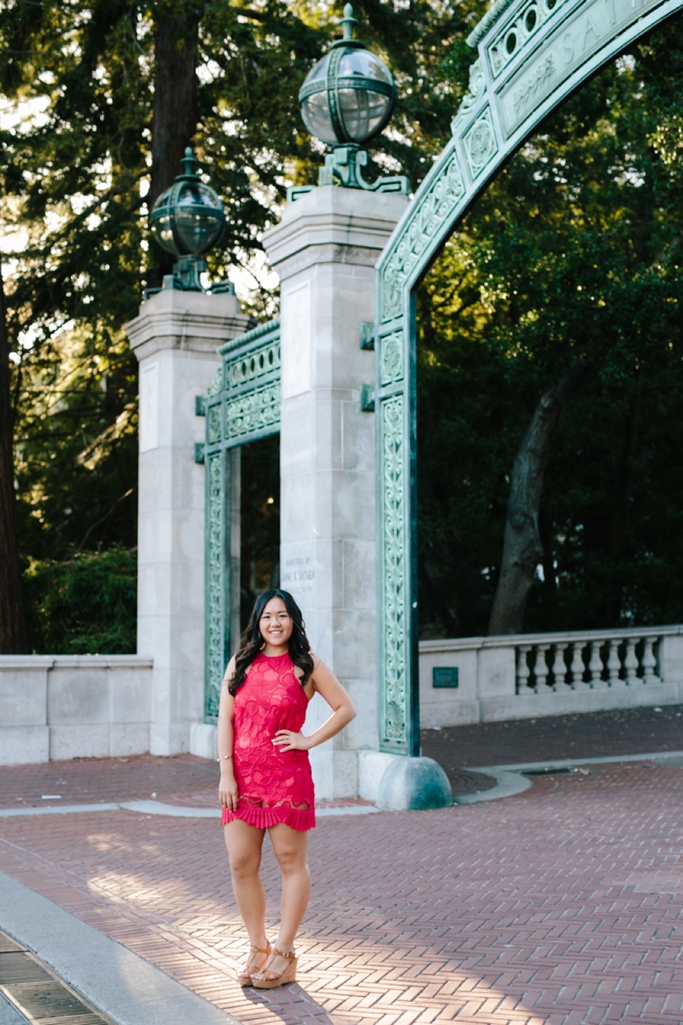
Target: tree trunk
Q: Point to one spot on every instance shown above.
(522, 548)
(13, 632)
(176, 111)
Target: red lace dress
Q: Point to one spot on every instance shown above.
(274, 785)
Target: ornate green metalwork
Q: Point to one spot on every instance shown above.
(531, 55)
(241, 405)
(420, 227)
(215, 591)
(394, 627)
(391, 369)
(253, 413)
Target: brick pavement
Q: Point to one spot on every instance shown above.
(626, 731)
(561, 906)
(183, 780)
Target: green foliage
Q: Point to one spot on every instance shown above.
(572, 253)
(76, 453)
(85, 605)
(77, 82)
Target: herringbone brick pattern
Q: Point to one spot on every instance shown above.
(623, 731)
(184, 780)
(562, 906)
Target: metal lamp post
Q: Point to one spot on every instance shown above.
(187, 221)
(346, 100)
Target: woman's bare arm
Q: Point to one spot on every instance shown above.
(227, 788)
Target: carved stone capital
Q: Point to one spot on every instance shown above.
(190, 321)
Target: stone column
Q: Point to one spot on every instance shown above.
(175, 339)
(324, 250)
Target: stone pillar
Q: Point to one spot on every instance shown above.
(325, 250)
(175, 339)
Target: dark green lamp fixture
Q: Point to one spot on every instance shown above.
(187, 221)
(346, 100)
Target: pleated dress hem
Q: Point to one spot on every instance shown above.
(301, 819)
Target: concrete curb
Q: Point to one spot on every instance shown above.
(115, 980)
(569, 763)
(509, 784)
(510, 781)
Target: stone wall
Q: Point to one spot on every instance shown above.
(548, 674)
(63, 706)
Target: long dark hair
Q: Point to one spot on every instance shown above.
(299, 648)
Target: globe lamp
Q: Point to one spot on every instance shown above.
(346, 100)
(188, 220)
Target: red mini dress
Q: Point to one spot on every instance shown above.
(274, 785)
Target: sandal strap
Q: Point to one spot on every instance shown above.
(261, 950)
(271, 975)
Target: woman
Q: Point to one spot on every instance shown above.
(266, 781)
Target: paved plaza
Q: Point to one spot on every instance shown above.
(561, 905)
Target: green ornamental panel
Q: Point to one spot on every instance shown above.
(241, 405)
(531, 55)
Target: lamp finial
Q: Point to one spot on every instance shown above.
(348, 22)
(189, 163)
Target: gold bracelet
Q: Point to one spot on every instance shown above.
(226, 757)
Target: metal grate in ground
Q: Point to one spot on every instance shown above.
(37, 993)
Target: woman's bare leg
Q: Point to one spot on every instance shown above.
(290, 846)
(244, 844)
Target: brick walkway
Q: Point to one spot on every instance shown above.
(184, 780)
(560, 906)
(627, 731)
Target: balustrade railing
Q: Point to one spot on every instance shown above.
(613, 659)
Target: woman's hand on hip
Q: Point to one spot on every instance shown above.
(288, 741)
(227, 792)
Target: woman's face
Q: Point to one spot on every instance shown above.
(276, 623)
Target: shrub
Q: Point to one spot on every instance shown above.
(84, 606)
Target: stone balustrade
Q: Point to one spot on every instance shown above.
(613, 658)
(480, 679)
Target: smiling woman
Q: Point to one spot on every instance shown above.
(266, 781)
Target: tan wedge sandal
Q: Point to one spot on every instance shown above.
(266, 978)
(253, 964)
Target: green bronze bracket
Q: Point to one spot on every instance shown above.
(367, 398)
(366, 330)
(343, 167)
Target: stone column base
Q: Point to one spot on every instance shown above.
(203, 740)
(413, 784)
(335, 774)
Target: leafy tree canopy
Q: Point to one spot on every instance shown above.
(96, 95)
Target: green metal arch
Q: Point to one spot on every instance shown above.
(531, 55)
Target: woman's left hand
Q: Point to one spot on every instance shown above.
(288, 741)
